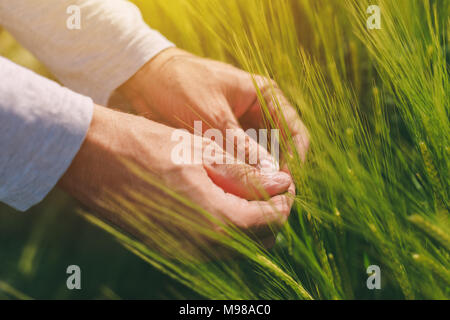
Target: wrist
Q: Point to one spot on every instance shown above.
(140, 85)
(82, 170)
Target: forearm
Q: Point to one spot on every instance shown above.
(42, 126)
(112, 44)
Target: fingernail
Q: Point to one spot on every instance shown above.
(302, 144)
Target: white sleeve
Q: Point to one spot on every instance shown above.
(112, 44)
(42, 127)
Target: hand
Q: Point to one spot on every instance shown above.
(178, 88)
(230, 192)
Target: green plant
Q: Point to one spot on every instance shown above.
(375, 187)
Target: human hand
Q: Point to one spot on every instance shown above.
(178, 88)
(232, 193)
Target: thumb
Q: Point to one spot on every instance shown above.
(247, 182)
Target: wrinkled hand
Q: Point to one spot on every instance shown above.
(178, 88)
(231, 192)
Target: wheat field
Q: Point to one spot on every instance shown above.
(373, 191)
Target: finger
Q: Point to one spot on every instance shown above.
(297, 130)
(225, 119)
(248, 182)
(264, 218)
(241, 145)
(257, 218)
(244, 147)
(281, 112)
(260, 218)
